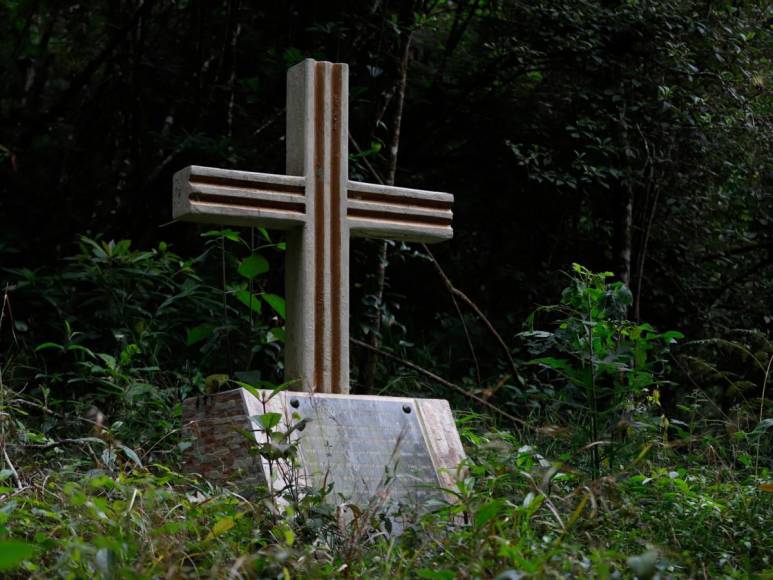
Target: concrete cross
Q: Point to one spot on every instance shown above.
(321, 208)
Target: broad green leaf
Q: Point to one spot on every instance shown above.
(13, 553)
(187, 290)
(488, 512)
(108, 359)
(269, 420)
(672, 336)
(253, 266)
(251, 377)
(198, 333)
(281, 388)
(80, 348)
(122, 247)
(226, 233)
(535, 334)
(275, 334)
(552, 362)
(249, 300)
(96, 249)
(131, 454)
(275, 302)
(213, 383)
(249, 388)
(221, 527)
(102, 482)
(289, 536)
(763, 425)
(48, 345)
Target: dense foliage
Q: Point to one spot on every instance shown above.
(600, 479)
(616, 424)
(631, 136)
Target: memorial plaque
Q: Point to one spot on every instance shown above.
(369, 446)
(366, 447)
(397, 449)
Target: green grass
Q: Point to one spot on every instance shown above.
(602, 479)
(514, 513)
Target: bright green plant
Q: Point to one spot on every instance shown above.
(601, 364)
(127, 334)
(94, 493)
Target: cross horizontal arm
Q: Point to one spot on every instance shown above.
(239, 198)
(320, 209)
(382, 211)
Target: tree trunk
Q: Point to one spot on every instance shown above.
(370, 359)
(624, 219)
(625, 236)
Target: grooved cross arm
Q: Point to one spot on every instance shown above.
(321, 209)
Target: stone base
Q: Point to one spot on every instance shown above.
(365, 445)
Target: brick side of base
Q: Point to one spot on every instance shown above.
(218, 428)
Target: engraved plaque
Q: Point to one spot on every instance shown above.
(366, 447)
(395, 450)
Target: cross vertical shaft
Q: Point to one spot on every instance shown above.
(317, 269)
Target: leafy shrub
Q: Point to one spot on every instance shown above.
(595, 365)
(128, 333)
(103, 352)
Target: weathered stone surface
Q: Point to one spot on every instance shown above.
(321, 209)
(220, 451)
(397, 450)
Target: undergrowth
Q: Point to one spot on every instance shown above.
(81, 520)
(627, 465)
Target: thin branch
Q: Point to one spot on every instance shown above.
(7, 306)
(762, 414)
(368, 374)
(439, 379)
(397, 120)
(468, 338)
(268, 122)
(172, 432)
(456, 292)
(649, 166)
(364, 159)
(15, 473)
(60, 443)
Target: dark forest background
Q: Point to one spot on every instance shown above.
(616, 424)
(627, 136)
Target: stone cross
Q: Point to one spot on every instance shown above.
(401, 450)
(320, 208)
